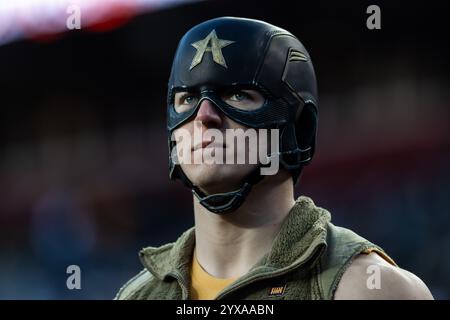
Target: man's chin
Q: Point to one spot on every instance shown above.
(217, 178)
(213, 180)
(214, 185)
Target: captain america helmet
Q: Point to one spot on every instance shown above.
(231, 53)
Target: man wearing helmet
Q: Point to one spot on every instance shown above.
(251, 239)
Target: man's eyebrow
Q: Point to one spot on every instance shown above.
(184, 93)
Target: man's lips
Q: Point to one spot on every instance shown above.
(208, 143)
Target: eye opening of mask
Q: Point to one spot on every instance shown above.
(245, 98)
(185, 101)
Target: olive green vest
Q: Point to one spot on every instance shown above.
(307, 260)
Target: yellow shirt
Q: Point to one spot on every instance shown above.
(203, 285)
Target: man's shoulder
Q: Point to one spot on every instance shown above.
(344, 245)
(370, 276)
(144, 277)
(158, 263)
(134, 285)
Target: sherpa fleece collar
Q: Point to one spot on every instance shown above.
(302, 237)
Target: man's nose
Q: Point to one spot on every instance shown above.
(208, 114)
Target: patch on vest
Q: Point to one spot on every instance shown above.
(277, 291)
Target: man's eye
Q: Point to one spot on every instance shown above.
(188, 100)
(239, 96)
(185, 101)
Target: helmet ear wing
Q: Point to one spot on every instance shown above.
(299, 77)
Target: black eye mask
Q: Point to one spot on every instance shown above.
(243, 53)
(272, 114)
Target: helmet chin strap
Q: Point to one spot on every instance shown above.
(226, 202)
(222, 203)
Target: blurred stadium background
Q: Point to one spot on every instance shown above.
(83, 154)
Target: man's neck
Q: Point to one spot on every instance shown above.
(229, 245)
